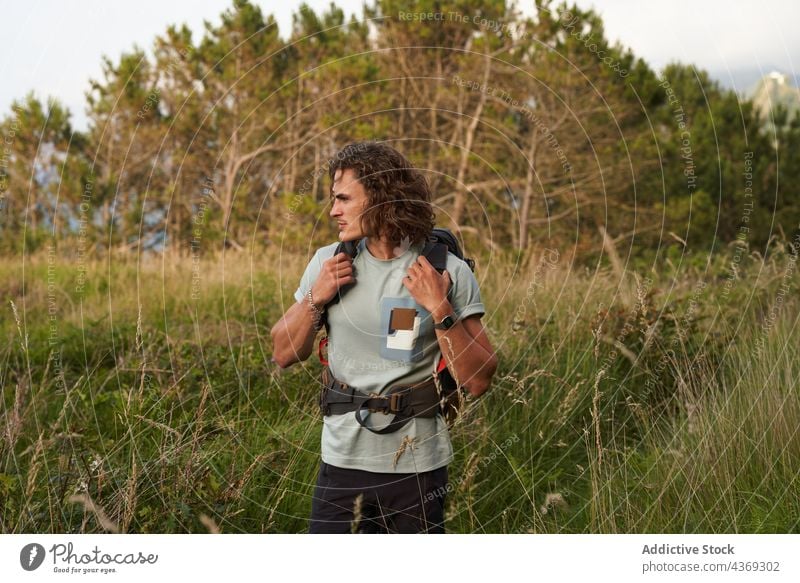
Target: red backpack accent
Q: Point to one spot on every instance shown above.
(323, 345)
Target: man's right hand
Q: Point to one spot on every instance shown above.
(336, 272)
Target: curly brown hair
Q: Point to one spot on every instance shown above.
(398, 195)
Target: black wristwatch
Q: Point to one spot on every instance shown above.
(447, 322)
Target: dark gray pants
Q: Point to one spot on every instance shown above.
(390, 503)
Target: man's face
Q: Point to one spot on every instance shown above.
(349, 202)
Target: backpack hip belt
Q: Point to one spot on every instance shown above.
(404, 401)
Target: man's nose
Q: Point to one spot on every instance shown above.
(336, 210)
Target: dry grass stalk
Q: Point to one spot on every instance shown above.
(198, 426)
(451, 357)
(596, 416)
(567, 404)
(637, 409)
(13, 420)
(356, 513)
(131, 494)
(89, 506)
(470, 471)
(210, 524)
(160, 426)
(553, 501)
(270, 520)
(407, 442)
(23, 338)
(234, 491)
(597, 333)
(139, 340)
(33, 473)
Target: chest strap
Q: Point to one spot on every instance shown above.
(403, 401)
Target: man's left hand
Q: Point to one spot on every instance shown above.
(427, 287)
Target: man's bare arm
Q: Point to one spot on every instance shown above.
(469, 355)
(467, 351)
(293, 336)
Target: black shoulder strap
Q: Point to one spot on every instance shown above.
(436, 253)
(351, 248)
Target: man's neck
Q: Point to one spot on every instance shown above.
(383, 249)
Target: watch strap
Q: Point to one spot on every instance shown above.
(441, 325)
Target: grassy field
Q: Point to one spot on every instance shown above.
(138, 396)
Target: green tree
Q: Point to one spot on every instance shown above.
(37, 138)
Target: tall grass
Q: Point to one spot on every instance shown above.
(729, 462)
(147, 402)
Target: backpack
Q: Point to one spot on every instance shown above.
(439, 243)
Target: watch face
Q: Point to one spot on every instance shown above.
(446, 323)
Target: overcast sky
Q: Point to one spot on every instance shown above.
(54, 47)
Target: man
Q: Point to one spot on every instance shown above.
(398, 317)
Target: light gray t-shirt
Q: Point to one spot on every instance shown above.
(380, 337)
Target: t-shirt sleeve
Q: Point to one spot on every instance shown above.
(465, 295)
(310, 275)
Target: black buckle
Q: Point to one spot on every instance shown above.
(396, 401)
(375, 396)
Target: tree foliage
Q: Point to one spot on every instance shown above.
(532, 131)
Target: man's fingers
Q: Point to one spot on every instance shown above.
(423, 262)
(339, 263)
(344, 270)
(342, 257)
